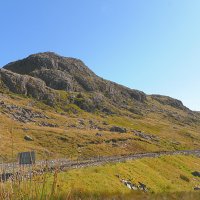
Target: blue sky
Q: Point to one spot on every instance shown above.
(150, 45)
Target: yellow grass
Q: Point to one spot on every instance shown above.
(163, 176)
(67, 141)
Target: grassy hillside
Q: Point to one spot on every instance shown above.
(164, 174)
(72, 132)
(167, 177)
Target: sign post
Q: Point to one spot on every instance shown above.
(26, 158)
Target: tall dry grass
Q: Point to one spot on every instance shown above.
(28, 182)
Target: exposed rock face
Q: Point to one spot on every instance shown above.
(146, 136)
(71, 74)
(48, 60)
(27, 85)
(169, 101)
(47, 124)
(42, 75)
(21, 114)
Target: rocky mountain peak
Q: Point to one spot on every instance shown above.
(70, 74)
(39, 73)
(48, 61)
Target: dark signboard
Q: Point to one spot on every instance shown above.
(26, 158)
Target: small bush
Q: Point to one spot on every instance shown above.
(72, 108)
(184, 178)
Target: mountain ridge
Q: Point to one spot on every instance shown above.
(45, 76)
(71, 74)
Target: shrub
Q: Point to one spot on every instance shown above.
(184, 178)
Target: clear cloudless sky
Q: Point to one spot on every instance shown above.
(149, 45)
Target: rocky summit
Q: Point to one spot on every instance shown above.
(39, 75)
(69, 74)
(64, 106)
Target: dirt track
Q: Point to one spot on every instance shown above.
(64, 164)
(115, 159)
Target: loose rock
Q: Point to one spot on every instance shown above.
(118, 129)
(28, 138)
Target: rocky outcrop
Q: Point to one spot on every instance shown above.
(165, 100)
(71, 74)
(145, 136)
(42, 75)
(47, 124)
(26, 85)
(196, 173)
(48, 60)
(21, 114)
